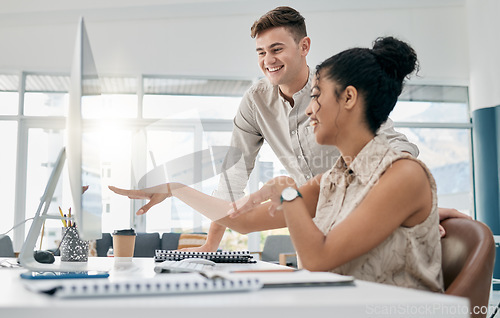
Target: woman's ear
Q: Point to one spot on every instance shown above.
(350, 97)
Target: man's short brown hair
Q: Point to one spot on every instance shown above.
(286, 17)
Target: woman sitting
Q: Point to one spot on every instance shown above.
(373, 215)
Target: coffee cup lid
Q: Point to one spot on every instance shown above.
(124, 232)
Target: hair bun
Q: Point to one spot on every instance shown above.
(395, 57)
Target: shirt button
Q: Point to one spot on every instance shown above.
(293, 132)
(299, 157)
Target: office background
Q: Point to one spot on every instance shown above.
(173, 73)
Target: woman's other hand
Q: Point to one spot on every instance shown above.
(270, 192)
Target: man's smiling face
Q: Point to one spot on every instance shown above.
(280, 57)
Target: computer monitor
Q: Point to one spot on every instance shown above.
(83, 163)
(84, 160)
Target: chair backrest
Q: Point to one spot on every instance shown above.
(103, 244)
(274, 245)
(170, 240)
(468, 252)
(146, 244)
(6, 248)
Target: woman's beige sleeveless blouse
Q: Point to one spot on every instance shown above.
(409, 257)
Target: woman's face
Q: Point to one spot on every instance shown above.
(324, 111)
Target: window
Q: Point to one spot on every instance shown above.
(9, 102)
(45, 104)
(46, 95)
(206, 107)
(9, 94)
(110, 106)
(447, 153)
(8, 173)
(116, 163)
(439, 124)
(172, 214)
(43, 148)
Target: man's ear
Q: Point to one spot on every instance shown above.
(350, 97)
(305, 45)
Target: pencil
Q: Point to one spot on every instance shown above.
(69, 215)
(63, 220)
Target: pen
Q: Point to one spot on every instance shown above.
(41, 236)
(266, 270)
(63, 220)
(69, 215)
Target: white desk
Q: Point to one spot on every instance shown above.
(364, 299)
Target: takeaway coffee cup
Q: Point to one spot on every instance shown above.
(123, 243)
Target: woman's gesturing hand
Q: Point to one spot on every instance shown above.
(155, 195)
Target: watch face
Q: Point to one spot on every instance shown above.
(289, 194)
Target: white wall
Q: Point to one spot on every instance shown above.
(437, 34)
(483, 29)
(217, 43)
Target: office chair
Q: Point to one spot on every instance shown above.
(6, 248)
(278, 247)
(468, 256)
(103, 244)
(146, 244)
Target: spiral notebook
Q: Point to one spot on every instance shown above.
(295, 278)
(174, 284)
(217, 257)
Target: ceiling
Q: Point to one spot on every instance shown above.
(25, 12)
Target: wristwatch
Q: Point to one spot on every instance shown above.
(290, 194)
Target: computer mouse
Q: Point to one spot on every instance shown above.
(198, 261)
(45, 257)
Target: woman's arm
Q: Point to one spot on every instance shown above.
(217, 210)
(402, 197)
(258, 219)
(212, 207)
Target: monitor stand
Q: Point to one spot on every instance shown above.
(26, 257)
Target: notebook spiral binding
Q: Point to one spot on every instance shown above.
(217, 257)
(158, 286)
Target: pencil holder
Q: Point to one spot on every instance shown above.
(72, 248)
